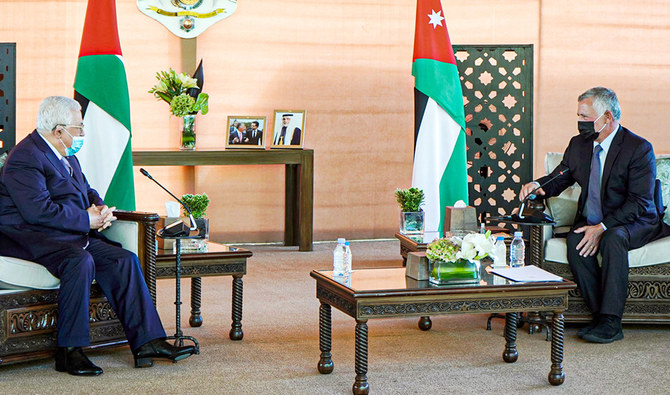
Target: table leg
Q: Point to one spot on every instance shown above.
(556, 375)
(236, 327)
(306, 201)
(291, 206)
(325, 330)
(425, 323)
(361, 385)
(510, 354)
(196, 297)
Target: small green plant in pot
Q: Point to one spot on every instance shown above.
(411, 214)
(198, 205)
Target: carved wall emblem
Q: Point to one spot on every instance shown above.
(187, 18)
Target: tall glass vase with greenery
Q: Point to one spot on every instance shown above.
(185, 97)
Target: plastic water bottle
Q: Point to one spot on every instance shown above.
(347, 259)
(500, 251)
(339, 264)
(517, 251)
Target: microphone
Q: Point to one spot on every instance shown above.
(179, 228)
(533, 215)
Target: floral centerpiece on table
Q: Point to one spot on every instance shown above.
(185, 97)
(456, 259)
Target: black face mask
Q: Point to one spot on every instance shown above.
(588, 129)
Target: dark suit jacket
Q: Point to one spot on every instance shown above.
(232, 136)
(253, 140)
(42, 207)
(295, 139)
(627, 185)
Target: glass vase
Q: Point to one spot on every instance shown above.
(187, 133)
(411, 222)
(461, 271)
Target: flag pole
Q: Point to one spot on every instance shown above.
(189, 61)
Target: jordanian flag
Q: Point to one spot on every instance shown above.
(440, 167)
(102, 90)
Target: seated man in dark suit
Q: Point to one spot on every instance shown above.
(50, 215)
(616, 211)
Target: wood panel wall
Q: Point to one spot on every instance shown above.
(349, 65)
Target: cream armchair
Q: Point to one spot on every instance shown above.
(649, 276)
(29, 296)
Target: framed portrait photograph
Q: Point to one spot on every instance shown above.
(289, 129)
(246, 132)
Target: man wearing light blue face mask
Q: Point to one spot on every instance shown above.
(50, 215)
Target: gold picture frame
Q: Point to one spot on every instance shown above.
(251, 135)
(289, 129)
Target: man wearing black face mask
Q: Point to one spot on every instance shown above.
(616, 213)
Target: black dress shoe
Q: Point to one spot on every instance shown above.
(588, 328)
(159, 348)
(608, 330)
(74, 361)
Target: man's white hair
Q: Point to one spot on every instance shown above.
(55, 110)
(603, 100)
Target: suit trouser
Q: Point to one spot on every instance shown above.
(605, 287)
(119, 274)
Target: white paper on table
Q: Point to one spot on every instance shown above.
(526, 274)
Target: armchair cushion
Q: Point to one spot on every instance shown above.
(653, 253)
(19, 274)
(663, 174)
(563, 209)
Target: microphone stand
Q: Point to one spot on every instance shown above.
(531, 196)
(179, 336)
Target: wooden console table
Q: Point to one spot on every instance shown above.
(299, 180)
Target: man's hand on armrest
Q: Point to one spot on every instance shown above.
(100, 217)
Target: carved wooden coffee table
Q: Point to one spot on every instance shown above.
(216, 260)
(384, 293)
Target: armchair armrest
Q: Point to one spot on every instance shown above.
(144, 241)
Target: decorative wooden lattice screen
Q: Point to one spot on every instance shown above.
(7, 96)
(497, 86)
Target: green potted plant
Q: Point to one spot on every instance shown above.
(411, 214)
(198, 205)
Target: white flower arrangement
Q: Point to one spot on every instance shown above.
(471, 247)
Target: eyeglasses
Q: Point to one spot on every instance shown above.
(80, 126)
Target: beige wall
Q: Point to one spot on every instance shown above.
(349, 65)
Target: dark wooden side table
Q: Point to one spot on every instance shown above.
(414, 243)
(216, 260)
(299, 180)
(387, 292)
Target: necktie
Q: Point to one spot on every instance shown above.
(593, 208)
(67, 165)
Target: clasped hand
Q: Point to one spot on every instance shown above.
(100, 217)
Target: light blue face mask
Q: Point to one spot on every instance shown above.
(77, 143)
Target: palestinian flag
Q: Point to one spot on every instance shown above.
(440, 162)
(102, 90)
